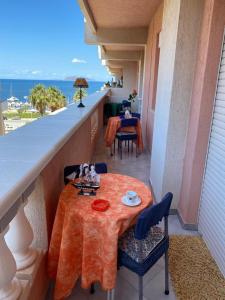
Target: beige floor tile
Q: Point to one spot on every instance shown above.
(154, 290)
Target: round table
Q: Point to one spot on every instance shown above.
(84, 241)
(114, 125)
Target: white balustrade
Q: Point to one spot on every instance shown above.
(19, 238)
(10, 288)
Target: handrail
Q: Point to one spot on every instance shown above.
(25, 152)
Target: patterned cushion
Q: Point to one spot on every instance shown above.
(138, 250)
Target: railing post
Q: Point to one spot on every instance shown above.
(19, 238)
(10, 288)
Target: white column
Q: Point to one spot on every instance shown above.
(10, 288)
(19, 239)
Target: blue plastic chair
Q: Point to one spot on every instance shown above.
(126, 104)
(99, 167)
(126, 136)
(134, 115)
(142, 246)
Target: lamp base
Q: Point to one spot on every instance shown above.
(81, 105)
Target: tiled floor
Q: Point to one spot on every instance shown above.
(127, 282)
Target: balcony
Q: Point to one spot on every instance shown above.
(32, 159)
(173, 61)
(127, 283)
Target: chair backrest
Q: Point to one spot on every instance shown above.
(134, 115)
(152, 216)
(128, 122)
(100, 168)
(126, 103)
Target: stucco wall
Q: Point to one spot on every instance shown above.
(77, 150)
(2, 128)
(150, 77)
(168, 41)
(179, 44)
(201, 108)
(141, 75)
(130, 81)
(42, 203)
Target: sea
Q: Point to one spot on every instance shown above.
(20, 88)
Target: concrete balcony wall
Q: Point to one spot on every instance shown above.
(2, 107)
(150, 77)
(32, 160)
(179, 42)
(130, 81)
(201, 109)
(141, 74)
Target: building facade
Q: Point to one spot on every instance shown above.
(175, 48)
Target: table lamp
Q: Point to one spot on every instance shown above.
(80, 83)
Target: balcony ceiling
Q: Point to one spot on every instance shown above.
(114, 64)
(122, 13)
(123, 48)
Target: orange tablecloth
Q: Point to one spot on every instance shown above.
(84, 241)
(113, 126)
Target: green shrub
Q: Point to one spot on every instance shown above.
(22, 115)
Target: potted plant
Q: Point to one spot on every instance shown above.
(107, 84)
(132, 98)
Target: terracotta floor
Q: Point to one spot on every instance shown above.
(127, 282)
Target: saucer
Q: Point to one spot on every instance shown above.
(127, 202)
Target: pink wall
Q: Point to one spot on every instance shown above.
(150, 77)
(201, 109)
(78, 149)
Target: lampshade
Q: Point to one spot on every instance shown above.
(80, 83)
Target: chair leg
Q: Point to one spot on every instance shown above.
(92, 289)
(121, 149)
(111, 152)
(132, 146)
(140, 287)
(128, 146)
(111, 294)
(166, 274)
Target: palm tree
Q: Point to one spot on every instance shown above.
(42, 97)
(39, 98)
(56, 99)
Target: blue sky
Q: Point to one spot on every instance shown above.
(44, 39)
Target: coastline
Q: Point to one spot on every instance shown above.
(20, 88)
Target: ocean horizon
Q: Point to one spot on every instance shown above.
(20, 88)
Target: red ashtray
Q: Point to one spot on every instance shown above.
(100, 205)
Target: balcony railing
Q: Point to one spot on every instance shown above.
(32, 159)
